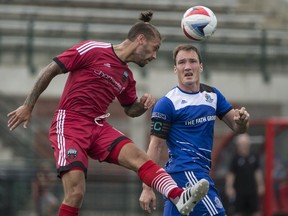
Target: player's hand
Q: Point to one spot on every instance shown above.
(241, 116)
(147, 100)
(148, 199)
(18, 116)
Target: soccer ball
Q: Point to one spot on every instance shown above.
(199, 23)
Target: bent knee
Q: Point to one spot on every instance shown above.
(132, 157)
(74, 188)
(74, 198)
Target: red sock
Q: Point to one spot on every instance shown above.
(174, 193)
(156, 177)
(66, 210)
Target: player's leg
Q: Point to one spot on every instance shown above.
(70, 136)
(170, 209)
(74, 189)
(131, 157)
(210, 204)
(112, 146)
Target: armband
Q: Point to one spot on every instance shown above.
(160, 128)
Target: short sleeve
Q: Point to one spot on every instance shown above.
(223, 106)
(128, 96)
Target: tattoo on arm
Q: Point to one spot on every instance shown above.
(135, 110)
(42, 82)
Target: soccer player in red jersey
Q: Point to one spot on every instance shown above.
(98, 73)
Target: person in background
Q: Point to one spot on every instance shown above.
(184, 120)
(98, 74)
(45, 202)
(244, 181)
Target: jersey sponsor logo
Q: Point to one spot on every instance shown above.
(200, 120)
(91, 45)
(116, 85)
(72, 153)
(158, 115)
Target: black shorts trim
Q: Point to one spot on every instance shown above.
(115, 142)
(76, 164)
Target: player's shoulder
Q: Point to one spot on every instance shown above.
(95, 43)
(89, 45)
(175, 91)
(165, 100)
(207, 88)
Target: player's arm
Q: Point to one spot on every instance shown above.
(147, 198)
(237, 120)
(141, 106)
(159, 133)
(24, 112)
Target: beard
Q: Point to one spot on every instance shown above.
(142, 63)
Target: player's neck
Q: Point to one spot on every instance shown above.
(123, 50)
(193, 88)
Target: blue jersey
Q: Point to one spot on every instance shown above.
(186, 121)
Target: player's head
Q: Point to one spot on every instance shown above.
(143, 26)
(187, 48)
(187, 66)
(146, 37)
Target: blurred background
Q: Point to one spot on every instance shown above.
(246, 59)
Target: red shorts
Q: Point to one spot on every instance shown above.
(74, 138)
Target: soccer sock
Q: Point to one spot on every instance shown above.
(66, 210)
(156, 177)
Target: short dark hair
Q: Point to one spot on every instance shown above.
(144, 27)
(186, 47)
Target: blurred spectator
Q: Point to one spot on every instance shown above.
(244, 181)
(280, 180)
(45, 202)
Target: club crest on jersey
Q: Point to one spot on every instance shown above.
(218, 203)
(125, 76)
(208, 98)
(72, 154)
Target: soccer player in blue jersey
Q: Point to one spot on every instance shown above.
(184, 121)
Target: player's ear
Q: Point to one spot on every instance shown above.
(175, 69)
(141, 38)
(201, 68)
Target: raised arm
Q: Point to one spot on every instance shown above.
(24, 112)
(141, 106)
(237, 120)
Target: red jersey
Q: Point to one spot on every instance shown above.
(97, 76)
